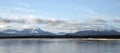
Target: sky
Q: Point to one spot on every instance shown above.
(60, 15)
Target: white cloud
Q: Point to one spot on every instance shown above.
(22, 9)
(116, 20)
(52, 23)
(24, 4)
(97, 20)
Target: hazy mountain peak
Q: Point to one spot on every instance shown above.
(27, 31)
(9, 31)
(94, 32)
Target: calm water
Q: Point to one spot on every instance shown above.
(58, 46)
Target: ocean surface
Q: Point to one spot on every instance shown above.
(59, 46)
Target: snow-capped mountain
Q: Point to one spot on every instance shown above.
(36, 31)
(28, 31)
(94, 32)
(101, 30)
(10, 31)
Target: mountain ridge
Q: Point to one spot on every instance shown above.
(25, 32)
(38, 32)
(93, 32)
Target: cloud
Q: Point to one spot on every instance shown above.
(5, 20)
(24, 4)
(50, 22)
(31, 20)
(55, 24)
(96, 20)
(22, 9)
(116, 20)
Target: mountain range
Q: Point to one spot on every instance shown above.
(38, 32)
(94, 33)
(25, 32)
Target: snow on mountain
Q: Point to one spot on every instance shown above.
(28, 31)
(93, 32)
(105, 30)
(12, 31)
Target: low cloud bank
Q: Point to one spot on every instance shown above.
(59, 24)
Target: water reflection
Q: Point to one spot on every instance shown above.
(58, 46)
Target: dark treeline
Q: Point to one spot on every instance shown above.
(64, 36)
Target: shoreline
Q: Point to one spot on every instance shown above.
(85, 39)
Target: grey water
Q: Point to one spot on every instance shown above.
(58, 46)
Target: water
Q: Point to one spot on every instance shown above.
(58, 46)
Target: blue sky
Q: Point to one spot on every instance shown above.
(84, 12)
